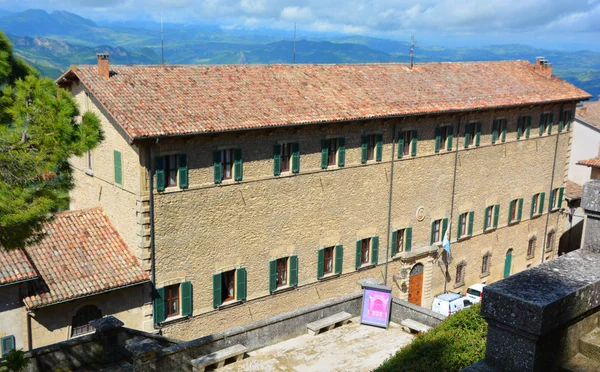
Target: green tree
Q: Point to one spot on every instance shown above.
(40, 128)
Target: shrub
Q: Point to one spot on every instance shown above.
(14, 361)
(455, 344)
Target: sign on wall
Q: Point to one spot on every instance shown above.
(376, 305)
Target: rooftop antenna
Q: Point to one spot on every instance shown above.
(162, 41)
(294, 42)
(412, 51)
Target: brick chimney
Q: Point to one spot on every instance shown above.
(543, 67)
(103, 67)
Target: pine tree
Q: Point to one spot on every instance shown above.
(40, 128)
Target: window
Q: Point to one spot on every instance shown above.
(491, 216)
(407, 143)
(523, 127)
(443, 138)
(485, 264)
(460, 274)
(546, 123)
(173, 301)
(229, 286)
(537, 204)
(227, 165)
(371, 147)
(7, 344)
(472, 134)
(171, 169)
(465, 224)
(550, 241)
(401, 241)
(330, 261)
(81, 320)
(556, 199)
(499, 130)
(566, 119)
(515, 210)
(286, 157)
(333, 151)
(227, 156)
(438, 229)
(118, 167)
(367, 251)
(283, 273)
(531, 247)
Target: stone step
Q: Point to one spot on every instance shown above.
(589, 345)
(580, 363)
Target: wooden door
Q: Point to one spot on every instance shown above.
(415, 285)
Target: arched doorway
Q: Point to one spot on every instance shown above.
(415, 285)
(507, 263)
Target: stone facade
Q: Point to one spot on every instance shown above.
(207, 228)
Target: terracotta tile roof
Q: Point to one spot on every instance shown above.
(573, 190)
(81, 254)
(589, 113)
(594, 163)
(159, 100)
(15, 267)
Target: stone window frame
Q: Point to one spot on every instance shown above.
(531, 254)
(550, 241)
(461, 268)
(487, 272)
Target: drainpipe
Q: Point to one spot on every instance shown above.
(389, 225)
(29, 335)
(452, 203)
(151, 202)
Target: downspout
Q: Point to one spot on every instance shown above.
(389, 224)
(29, 334)
(452, 204)
(151, 207)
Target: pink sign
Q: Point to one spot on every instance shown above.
(376, 306)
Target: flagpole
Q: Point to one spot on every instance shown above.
(452, 205)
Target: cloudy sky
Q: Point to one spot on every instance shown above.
(562, 23)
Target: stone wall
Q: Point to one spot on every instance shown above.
(13, 316)
(402, 310)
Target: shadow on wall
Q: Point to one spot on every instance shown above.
(571, 239)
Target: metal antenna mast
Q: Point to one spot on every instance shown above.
(294, 42)
(412, 50)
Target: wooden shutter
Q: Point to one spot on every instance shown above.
(237, 165)
(532, 206)
(551, 122)
(293, 271)
(467, 135)
(375, 250)
(118, 167)
(460, 218)
(485, 218)
(528, 127)
(183, 171)
(159, 173)
(394, 242)
(339, 258)
(159, 306)
(494, 131)
(551, 201)
(186, 298)
(510, 208)
(341, 151)
(520, 209)
(379, 147)
(471, 219)
(561, 192)
(438, 139)
(241, 284)
(444, 228)
(320, 263)
(295, 157)
(507, 265)
(217, 166)
(450, 137)
(358, 252)
(569, 119)
(542, 199)
(496, 215)
(401, 145)
(407, 239)
(478, 134)
(217, 291)
(413, 143)
(276, 160)
(324, 153)
(432, 232)
(364, 149)
(272, 276)
(7, 344)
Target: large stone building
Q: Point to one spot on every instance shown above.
(249, 191)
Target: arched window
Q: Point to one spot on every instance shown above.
(486, 261)
(531, 247)
(550, 241)
(460, 273)
(81, 320)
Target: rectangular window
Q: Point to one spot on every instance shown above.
(556, 198)
(332, 151)
(371, 141)
(228, 286)
(546, 123)
(499, 130)
(171, 169)
(365, 251)
(535, 205)
(172, 300)
(514, 210)
(328, 260)
(282, 272)
(400, 241)
(460, 274)
(471, 134)
(407, 142)
(437, 231)
(489, 215)
(523, 127)
(444, 131)
(462, 224)
(227, 157)
(485, 261)
(286, 157)
(550, 241)
(7, 344)
(531, 247)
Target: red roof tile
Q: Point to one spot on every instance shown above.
(81, 254)
(589, 113)
(573, 190)
(594, 163)
(15, 267)
(150, 101)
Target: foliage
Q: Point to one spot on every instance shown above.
(455, 344)
(39, 131)
(14, 361)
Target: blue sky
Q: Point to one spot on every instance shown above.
(565, 24)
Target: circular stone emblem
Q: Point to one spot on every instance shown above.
(421, 213)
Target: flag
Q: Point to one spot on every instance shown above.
(446, 241)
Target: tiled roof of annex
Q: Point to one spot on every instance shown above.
(594, 162)
(81, 254)
(153, 101)
(573, 190)
(15, 267)
(589, 113)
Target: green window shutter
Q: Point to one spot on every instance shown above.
(241, 284)
(118, 168)
(272, 276)
(551, 201)
(438, 139)
(496, 215)
(186, 298)
(542, 199)
(375, 250)
(569, 119)
(551, 122)
(339, 258)
(237, 165)
(471, 219)
(217, 166)
(159, 173)
(183, 171)
(276, 160)
(324, 153)
(364, 145)
(485, 220)
(520, 209)
(379, 147)
(519, 128)
(401, 145)
(450, 137)
(561, 192)
(8, 344)
(320, 263)
(358, 252)
(295, 157)
(407, 239)
(394, 242)
(444, 228)
(467, 135)
(341, 152)
(510, 208)
(504, 124)
(528, 127)
(432, 233)
(460, 218)
(217, 291)
(507, 265)
(159, 306)
(478, 135)
(293, 271)
(413, 144)
(494, 131)
(532, 206)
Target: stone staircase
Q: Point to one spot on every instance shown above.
(588, 358)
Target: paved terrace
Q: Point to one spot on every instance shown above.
(351, 347)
